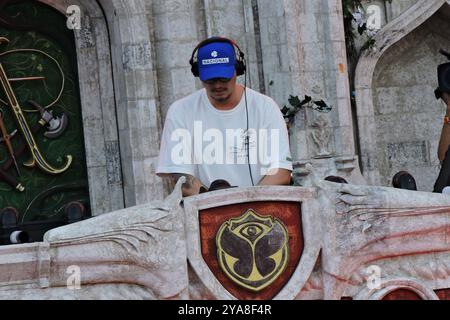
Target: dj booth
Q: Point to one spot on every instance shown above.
(328, 241)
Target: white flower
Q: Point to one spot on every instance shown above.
(371, 32)
(358, 17)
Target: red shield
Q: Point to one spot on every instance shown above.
(212, 222)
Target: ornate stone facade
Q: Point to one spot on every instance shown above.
(399, 118)
(133, 63)
(157, 251)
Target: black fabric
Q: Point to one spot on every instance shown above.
(8, 217)
(438, 93)
(444, 77)
(404, 180)
(219, 184)
(336, 179)
(443, 179)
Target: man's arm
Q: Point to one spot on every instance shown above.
(444, 141)
(190, 188)
(280, 177)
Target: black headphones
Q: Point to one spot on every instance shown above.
(240, 56)
(241, 68)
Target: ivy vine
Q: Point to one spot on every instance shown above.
(295, 105)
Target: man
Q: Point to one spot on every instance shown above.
(443, 179)
(224, 131)
(444, 141)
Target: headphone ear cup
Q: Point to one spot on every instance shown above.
(240, 68)
(194, 69)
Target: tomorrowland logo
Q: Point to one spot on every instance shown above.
(252, 250)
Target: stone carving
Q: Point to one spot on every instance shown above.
(154, 251)
(113, 162)
(137, 56)
(346, 165)
(85, 34)
(321, 137)
(400, 231)
(139, 251)
(91, 292)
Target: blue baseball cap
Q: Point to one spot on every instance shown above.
(216, 60)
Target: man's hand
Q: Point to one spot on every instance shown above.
(190, 188)
(281, 177)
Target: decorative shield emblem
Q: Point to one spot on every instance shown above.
(253, 250)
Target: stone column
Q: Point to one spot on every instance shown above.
(304, 42)
(176, 26)
(136, 92)
(235, 19)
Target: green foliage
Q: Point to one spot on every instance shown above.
(368, 44)
(295, 105)
(349, 7)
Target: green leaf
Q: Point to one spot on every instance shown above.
(369, 43)
(362, 28)
(290, 116)
(285, 110)
(294, 101)
(322, 106)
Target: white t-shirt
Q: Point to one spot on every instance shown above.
(210, 144)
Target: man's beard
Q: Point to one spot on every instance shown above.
(221, 99)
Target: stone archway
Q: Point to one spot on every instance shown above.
(118, 102)
(390, 147)
(136, 93)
